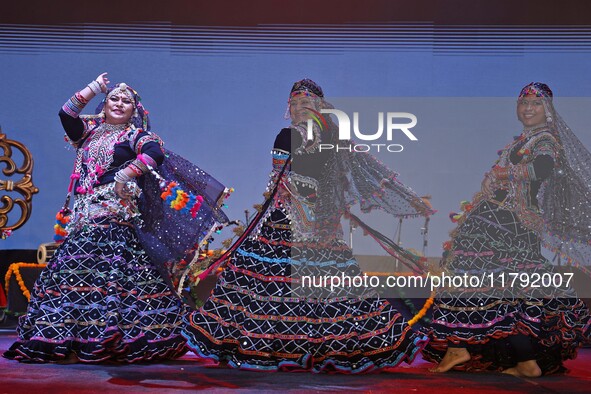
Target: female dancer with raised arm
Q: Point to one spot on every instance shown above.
(100, 296)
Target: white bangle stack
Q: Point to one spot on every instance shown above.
(95, 86)
(122, 177)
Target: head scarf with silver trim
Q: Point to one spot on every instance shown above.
(565, 197)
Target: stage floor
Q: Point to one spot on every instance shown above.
(186, 375)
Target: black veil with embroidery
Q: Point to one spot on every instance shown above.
(565, 198)
(166, 234)
(359, 178)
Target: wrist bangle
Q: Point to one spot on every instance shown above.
(122, 177)
(95, 86)
(140, 165)
(137, 171)
(74, 105)
(83, 101)
(146, 161)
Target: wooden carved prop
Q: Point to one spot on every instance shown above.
(23, 186)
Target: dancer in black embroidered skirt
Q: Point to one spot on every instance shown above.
(259, 315)
(100, 297)
(537, 193)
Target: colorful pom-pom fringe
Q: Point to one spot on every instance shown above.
(62, 220)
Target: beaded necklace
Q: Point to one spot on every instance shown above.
(95, 156)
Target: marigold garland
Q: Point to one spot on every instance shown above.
(423, 310)
(15, 269)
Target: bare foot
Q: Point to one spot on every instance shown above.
(525, 369)
(453, 356)
(512, 371)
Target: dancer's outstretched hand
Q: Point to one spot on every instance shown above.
(103, 80)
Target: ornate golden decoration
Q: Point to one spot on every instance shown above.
(23, 186)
